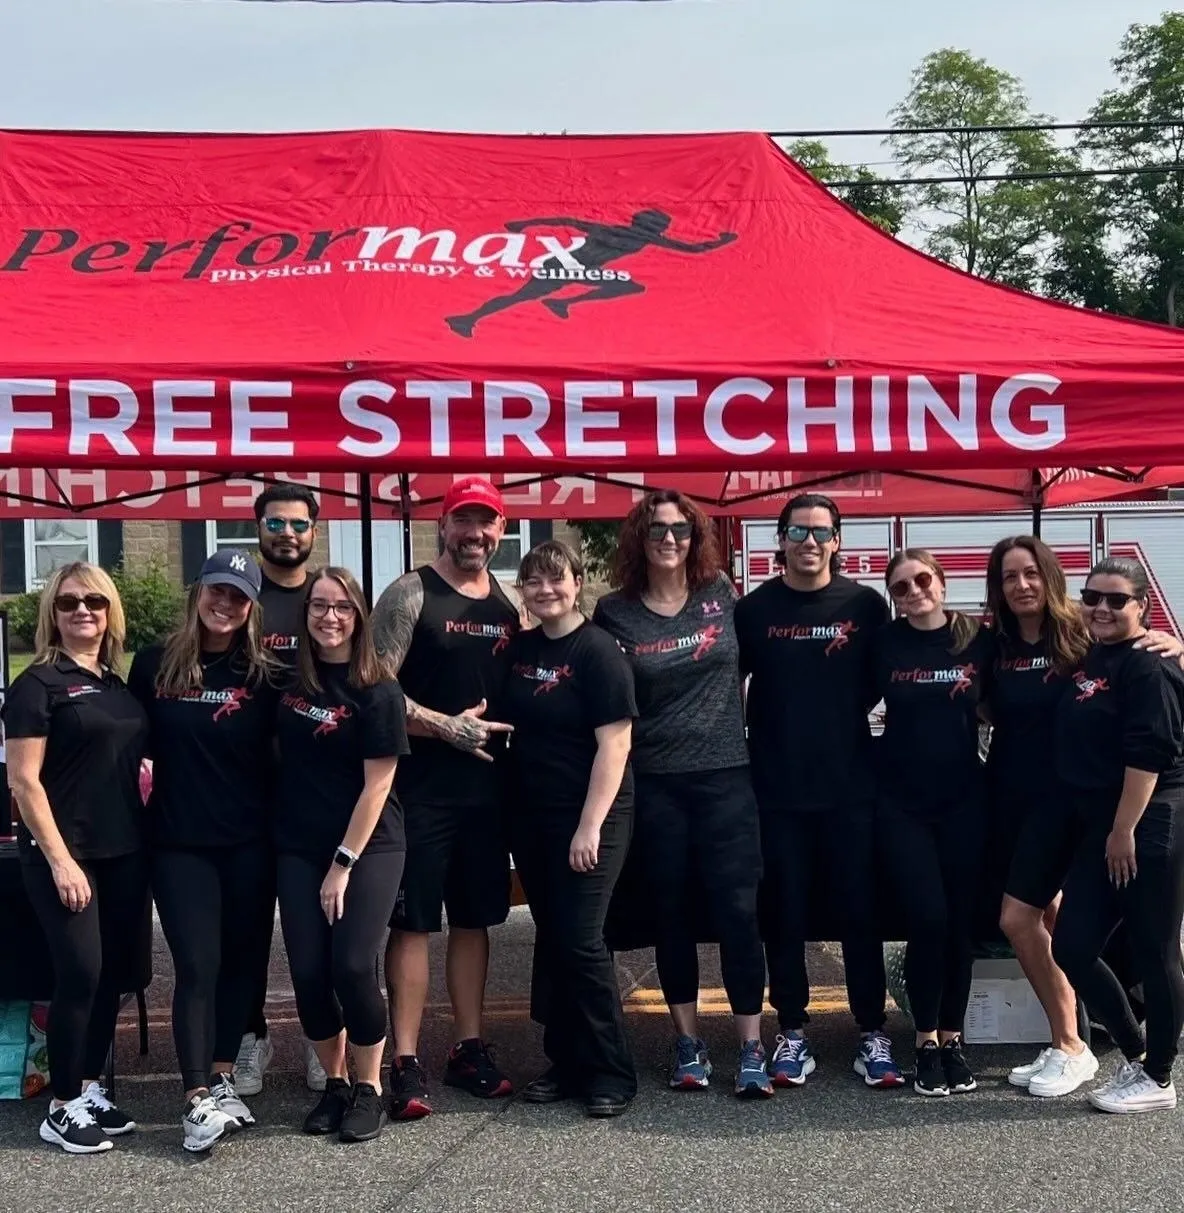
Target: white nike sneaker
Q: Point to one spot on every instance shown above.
(1021, 1076)
(254, 1056)
(1063, 1073)
(205, 1124)
(314, 1073)
(1140, 1093)
(223, 1093)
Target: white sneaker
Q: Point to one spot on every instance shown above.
(224, 1095)
(205, 1124)
(1140, 1093)
(314, 1072)
(254, 1056)
(1127, 1070)
(1021, 1076)
(1063, 1072)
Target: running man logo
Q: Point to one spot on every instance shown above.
(698, 643)
(1089, 687)
(960, 678)
(1022, 665)
(226, 702)
(585, 264)
(835, 634)
(327, 718)
(548, 678)
(499, 633)
(232, 702)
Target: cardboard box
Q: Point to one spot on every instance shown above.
(1003, 1007)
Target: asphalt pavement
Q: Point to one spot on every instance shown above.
(831, 1145)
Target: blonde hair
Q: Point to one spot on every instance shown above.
(963, 629)
(367, 667)
(47, 643)
(180, 663)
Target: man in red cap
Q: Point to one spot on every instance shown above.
(447, 626)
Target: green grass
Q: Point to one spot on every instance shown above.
(18, 662)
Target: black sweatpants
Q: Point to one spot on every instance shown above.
(698, 837)
(829, 857)
(335, 968)
(1151, 907)
(576, 993)
(935, 866)
(210, 906)
(90, 950)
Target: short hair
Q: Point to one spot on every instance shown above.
(286, 492)
(811, 501)
(1130, 570)
(551, 558)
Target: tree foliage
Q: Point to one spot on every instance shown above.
(873, 197)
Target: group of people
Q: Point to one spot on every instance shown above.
(378, 770)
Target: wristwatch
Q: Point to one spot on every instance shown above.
(344, 858)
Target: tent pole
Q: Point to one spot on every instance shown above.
(1037, 502)
(405, 505)
(367, 514)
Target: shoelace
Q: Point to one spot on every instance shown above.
(879, 1048)
(789, 1048)
(246, 1051)
(687, 1051)
(751, 1059)
(96, 1097)
(78, 1113)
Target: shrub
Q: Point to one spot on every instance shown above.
(22, 616)
(599, 541)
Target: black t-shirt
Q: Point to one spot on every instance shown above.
(283, 615)
(686, 670)
(557, 694)
(809, 655)
(96, 734)
(930, 747)
(457, 657)
(213, 767)
(324, 740)
(1123, 708)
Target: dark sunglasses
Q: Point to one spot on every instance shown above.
(680, 531)
(1115, 599)
(69, 603)
(900, 589)
(822, 534)
(277, 526)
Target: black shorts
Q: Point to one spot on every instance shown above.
(1043, 852)
(458, 859)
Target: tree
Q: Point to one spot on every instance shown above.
(598, 538)
(997, 229)
(1145, 212)
(871, 196)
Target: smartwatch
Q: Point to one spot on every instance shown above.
(344, 858)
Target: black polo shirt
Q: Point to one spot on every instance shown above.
(96, 735)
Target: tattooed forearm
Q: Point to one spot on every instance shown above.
(394, 618)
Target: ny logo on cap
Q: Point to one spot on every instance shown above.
(238, 563)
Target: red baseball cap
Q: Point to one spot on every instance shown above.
(473, 490)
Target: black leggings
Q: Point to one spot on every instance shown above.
(934, 866)
(335, 968)
(210, 906)
(257, 1018)
(92, 953)
(1151, 907)
(698, 837)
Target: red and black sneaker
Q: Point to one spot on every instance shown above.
(409, 1090)
(471, 1067)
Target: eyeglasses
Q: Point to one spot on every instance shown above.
(318, 608)
(900, 589)
(822, 534)
(67, 604)
(680, 531)
(1115, 599)
(277, 526)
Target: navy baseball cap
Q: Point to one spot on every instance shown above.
(230, 566)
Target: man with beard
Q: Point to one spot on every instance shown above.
(286, 515)
(446, 627)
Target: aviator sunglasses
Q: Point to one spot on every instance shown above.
(1116, 600)
(67, 604)
(277, 526)
(822, 534)
(900, 589)
(680, 531)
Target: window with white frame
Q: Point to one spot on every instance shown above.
(51, 543)
(231, 533)
(514, 545)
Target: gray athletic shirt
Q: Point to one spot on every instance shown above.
(686, 669)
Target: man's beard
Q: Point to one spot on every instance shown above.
(472, 561)
(287, 559)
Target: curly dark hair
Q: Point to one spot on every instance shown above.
(630, 569)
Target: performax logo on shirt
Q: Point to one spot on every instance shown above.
(1023, 664)
(1089, 687)
(280, 643)
(702, 641)
(228, 702)
(85, 689)
(328, 718)
(497, 632)
(836, 633)
(962, 677)
(547, 678)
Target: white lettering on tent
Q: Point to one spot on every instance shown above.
(1051, 416)
(439, 394)
(159, 482)
(499, 427)
(509, 255)
(713, 416)
(409, 238)
(665, 393)
(94, 484)
(244, 422)
(560, 251)
(385, 427)
(577, 422)
(169, 419)
(84, 425)
(522, 490)
(924, 400)
(881, 427)
(11, 419)
(840, 416)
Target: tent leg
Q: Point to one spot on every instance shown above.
(367, 514)
(1037, 502)
(1037, 512)
(405, 503)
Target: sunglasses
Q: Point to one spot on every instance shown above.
(318, 608)
(69, 603)
(680, 530)
(1115, 599)
(277, 526)
(900, 589)
(822, 534)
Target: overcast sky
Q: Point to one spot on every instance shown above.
(680, 65)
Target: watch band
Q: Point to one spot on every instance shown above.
(343, 857)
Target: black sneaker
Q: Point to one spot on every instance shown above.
(471, 1067)
(547, 1088)
(330, 1110)
(74, 1128)
(409, 1090)
(930, 1078)
(957, 1072)
(107, 1116)
(365, 1116)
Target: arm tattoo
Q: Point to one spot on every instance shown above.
(395, 615)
